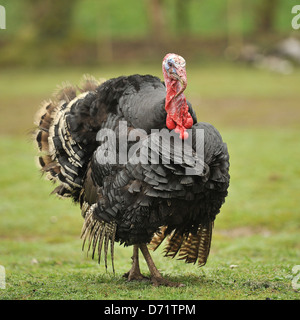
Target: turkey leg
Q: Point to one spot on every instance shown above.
(156, 277)
(135, 273)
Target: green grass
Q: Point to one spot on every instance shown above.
(257, 229)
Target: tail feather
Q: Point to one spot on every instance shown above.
(158, 238)
(65, 92)
(98, 234)
(61, 158)
(204, 244)
(175, 242)
(188, 246)
(89, 83)
(187, 251)
(43, 121)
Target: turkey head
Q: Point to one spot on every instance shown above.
(178, 117)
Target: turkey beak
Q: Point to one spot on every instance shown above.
(180, 75)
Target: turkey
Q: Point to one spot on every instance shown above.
(131, 153)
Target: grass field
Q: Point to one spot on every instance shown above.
(256, 237)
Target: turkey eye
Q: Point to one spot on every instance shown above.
(170, 64)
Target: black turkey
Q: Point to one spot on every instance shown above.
(127, 150)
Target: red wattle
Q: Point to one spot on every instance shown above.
(188, 121)
(170, 123)
(178, 117)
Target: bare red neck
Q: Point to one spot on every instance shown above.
(178, 117)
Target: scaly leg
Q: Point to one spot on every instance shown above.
(135, 273)
(156, 277)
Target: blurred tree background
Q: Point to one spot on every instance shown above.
(45, 32)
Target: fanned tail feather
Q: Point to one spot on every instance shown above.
(205, 242)
(98, 234)
(43, 120)
(175, 241)
(188, 246)
(89, 83)
(52, 131)
(158, 238)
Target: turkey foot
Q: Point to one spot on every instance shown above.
(134, 273)
(156, 277)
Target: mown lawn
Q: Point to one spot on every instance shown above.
(256, 237)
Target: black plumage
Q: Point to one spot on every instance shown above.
(132, 203)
